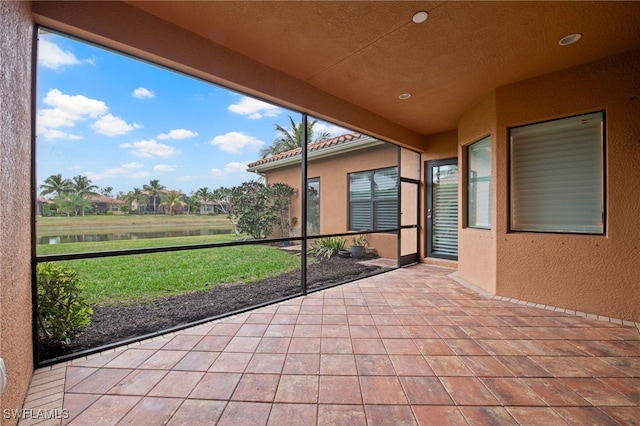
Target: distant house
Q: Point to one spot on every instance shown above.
(103, 204)
(352, 185)
(40, 206)
(212, 207)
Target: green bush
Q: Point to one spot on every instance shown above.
(328, 246)
(62, 310)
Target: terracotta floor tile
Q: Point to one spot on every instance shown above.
(216, 386)
(306, 309)
(335, 330)
(242, 344)
(297, 388)
(425, 391)
(225, 329)
(198, 412)
(623, 415)
(561, 347)
(584, 415)
(592, 390)
(522, 366)
(256, 387)
(411, 365)
(629, 387)
(231, 362)
(392, 332)
(274, 345)
(335, 319)
(212, 343)
(75, 375)
(337, 365)
(152, 410)
(307, 330)
(382, 390)
(293, 414)
(486, 366)
(309, 319)
(596, 367)
(438, 415)
(360, 319)
(401, 347)
(331, 415)
(304, 345)
(559, 366)
(465, 347)
(511, 391)
(76, 403)
(500, 347)
(139, 382)
(279, 330)
(339, 390)
(302, 364)
(374, 365)
(468, 391)
(421, 332)
(433, 347)
(629, 365)
(288, 309)
(101, 380)
(389, 415)
(182, 342)
(131, 358)
(177, 384)
(363, 331)
(245, 413)
(336, 345)
(266, 363)
(259, 318)
(334, 309)
(448, 366)
(368, 346)
(412, 320)
(110, 409)
(196, 361)
(252, 330)
(535, 416)
(284, 319)
(489, 416)
(554, 392)
(450, 332)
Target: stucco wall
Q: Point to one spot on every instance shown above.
(594, 274)
(15, 221)
(333, 189)
(477, 247)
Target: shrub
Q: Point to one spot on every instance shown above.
(328, 247)
(62, 310)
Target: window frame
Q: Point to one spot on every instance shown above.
(310, 181)
(475, 179)
(602, 171)
(372, 200)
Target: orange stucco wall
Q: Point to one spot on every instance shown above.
(15, 222)
(332, 172)
(593, 274)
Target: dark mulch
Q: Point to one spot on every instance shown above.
(115, 323)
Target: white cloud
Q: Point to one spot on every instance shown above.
(150, 148)
(254, 108)
(332, 129)
(235, 142)
(50, 55)
(187, 178)
(164, 168)
(66, 112)
(143, 93)
(178, 134)
(128, 170)
(76, 105)
(231, 168)
(110, 125)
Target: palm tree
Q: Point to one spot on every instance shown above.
(153, 190)
(172, 200)
(54, 184)
(84, 189)
(135, 196)
(293, 138)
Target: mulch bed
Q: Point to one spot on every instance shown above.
(115, 323)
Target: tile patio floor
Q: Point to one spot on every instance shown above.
(412, 346)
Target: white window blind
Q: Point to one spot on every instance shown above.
(444, 229)
(479, 184)
(373, 200)
(557, 174)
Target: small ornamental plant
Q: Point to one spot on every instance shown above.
(62, 311)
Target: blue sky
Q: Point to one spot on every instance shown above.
(123, 122)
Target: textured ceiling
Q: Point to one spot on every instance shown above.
(368, 53)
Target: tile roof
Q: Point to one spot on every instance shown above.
(316, 146)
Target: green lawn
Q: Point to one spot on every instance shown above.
(148, 276)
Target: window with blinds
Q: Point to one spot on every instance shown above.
(444, 214)
(557, 176)
(373, 200)
(479, 184)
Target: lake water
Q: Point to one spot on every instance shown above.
(84, 238)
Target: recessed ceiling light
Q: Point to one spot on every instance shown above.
(404, 96)
(420, 17)
(569, 39)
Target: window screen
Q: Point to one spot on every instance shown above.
(373, 200)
